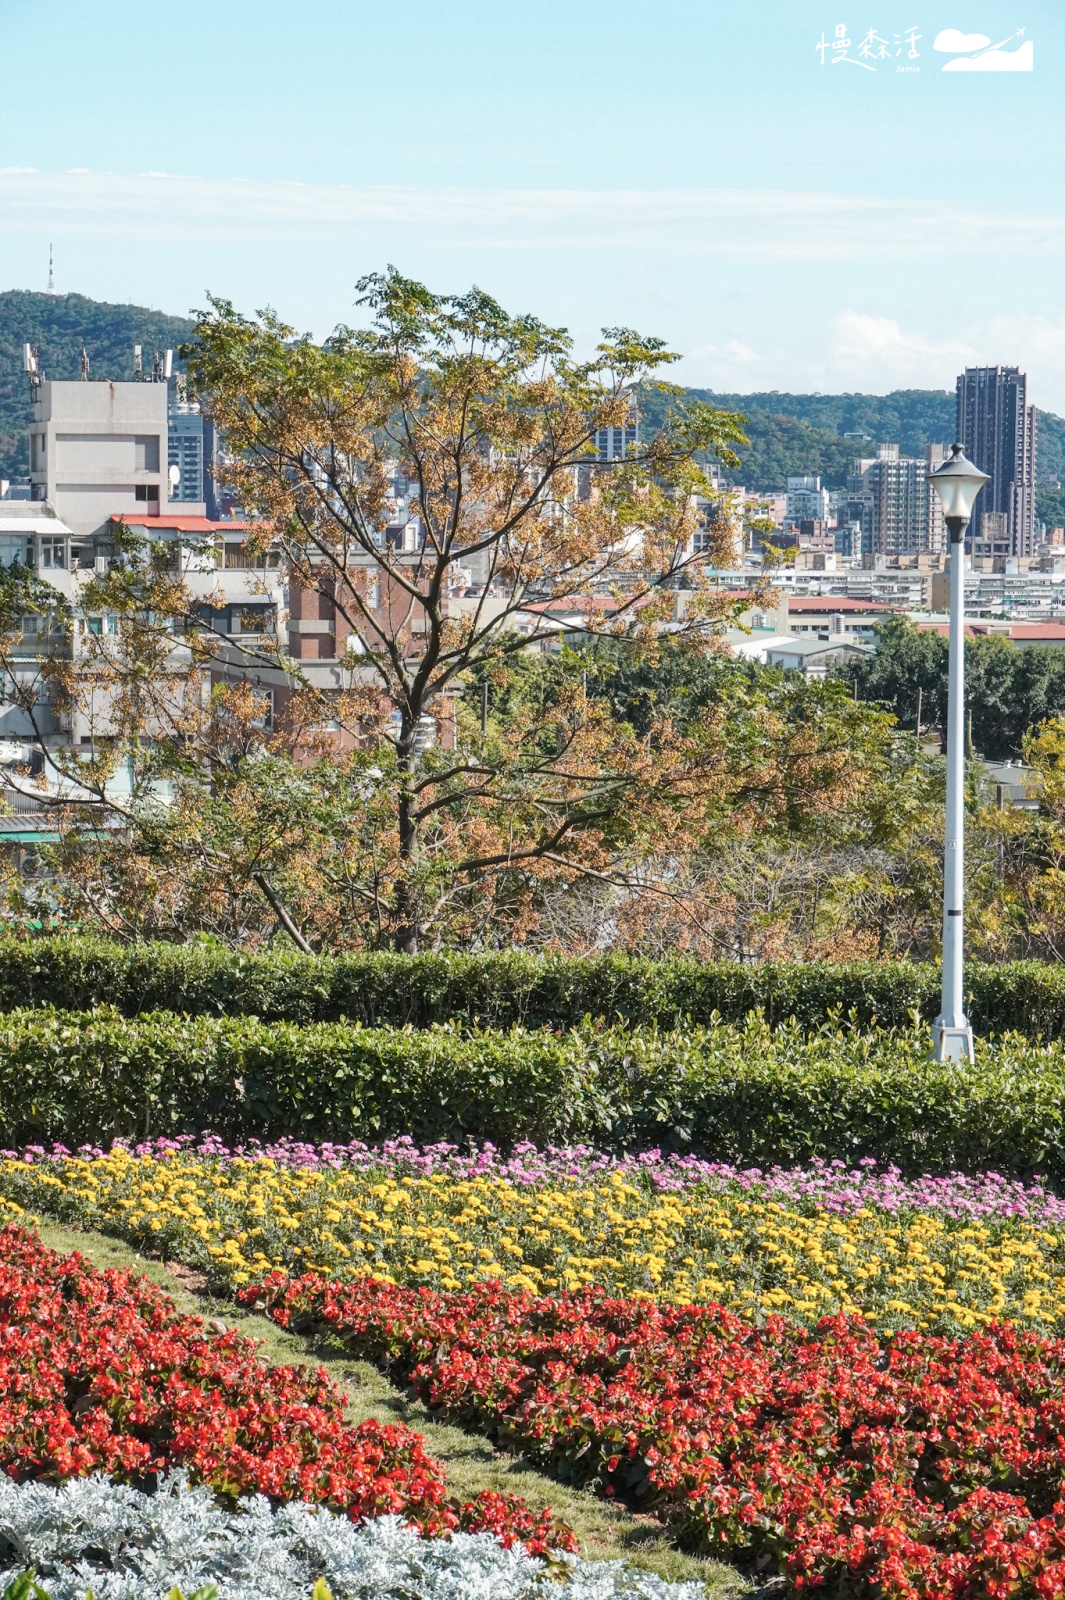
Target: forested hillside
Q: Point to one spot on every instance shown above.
(795, 433)
(789, 433)
(62, 324)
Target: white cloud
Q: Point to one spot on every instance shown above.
(764, 224)
(883, 353)
(875, 353)
(724, 366)
(954, 39)
(1019, 60)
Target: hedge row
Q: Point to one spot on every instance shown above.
(509, 989)
(747, 1093)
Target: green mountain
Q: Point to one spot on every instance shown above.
(62, 325)
(789, 433)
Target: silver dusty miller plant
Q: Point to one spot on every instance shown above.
(126, 1545)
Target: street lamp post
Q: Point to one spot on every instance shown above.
(957, 482)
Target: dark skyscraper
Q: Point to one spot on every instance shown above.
(996, 425)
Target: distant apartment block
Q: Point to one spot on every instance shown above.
(997, 426)
(890, 497)
(806, 501)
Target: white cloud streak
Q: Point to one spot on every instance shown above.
(713, 222)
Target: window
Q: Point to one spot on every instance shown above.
(12, 550)
(247, 558)
(53, 553)
(146, 448)
(251, 619)
(147, 492)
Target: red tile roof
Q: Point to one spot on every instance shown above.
(1050, 632)
(1019, 632)
(836, 602)
(181, 524)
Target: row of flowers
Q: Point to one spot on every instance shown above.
(98, 1372)
(909, 1466)
(754, 1247)
(831, 1184)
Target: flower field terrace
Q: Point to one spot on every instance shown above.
(909, 1467)
(99, 1373)
(943, 1254)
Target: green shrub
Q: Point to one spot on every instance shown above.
(509, 989)
(748, 1093)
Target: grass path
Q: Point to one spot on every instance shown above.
(470, 1461)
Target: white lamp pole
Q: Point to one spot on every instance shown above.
(957, 482)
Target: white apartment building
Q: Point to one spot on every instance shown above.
(806, 501)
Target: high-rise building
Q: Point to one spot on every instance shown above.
(890, 497)
(185, 446)
(997, 426)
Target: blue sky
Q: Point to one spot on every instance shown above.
(690, 169)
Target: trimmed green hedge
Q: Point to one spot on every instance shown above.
(510, 989)
(750, 1094)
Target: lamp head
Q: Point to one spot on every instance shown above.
(958, 482)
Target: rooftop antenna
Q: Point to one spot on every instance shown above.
(168, 365)
(84, 365)
(31, 366)
(138, 364)
(51, 270)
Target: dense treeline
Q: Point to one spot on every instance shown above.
(1008, 690)
(790, 820)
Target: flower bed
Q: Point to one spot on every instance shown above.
(985, 1196)
(943, 1254)
(911, 1467)
(99, 1372)
(124, 1545)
